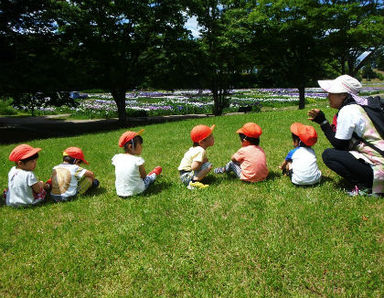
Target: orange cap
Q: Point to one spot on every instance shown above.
(75, 152)
(251, 130)
(307, 134)
(128, 135)
(22, 151)
(200, 132)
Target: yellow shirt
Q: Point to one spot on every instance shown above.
(193, 154)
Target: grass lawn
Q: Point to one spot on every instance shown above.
(231, 239)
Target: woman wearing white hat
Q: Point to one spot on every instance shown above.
(352, 129)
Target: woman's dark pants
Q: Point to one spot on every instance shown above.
(356, 171)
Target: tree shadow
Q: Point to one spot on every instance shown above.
(20, 129)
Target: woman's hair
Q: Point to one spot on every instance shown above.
(253, 141)
(296, 138)
(133, 142)
(70, 160)
(34, 156)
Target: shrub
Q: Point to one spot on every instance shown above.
(6, 107)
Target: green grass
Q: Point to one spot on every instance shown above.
(231, 239)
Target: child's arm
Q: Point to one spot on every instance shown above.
(283, 165)
(142, 171)
(38, 186)
(196, 165)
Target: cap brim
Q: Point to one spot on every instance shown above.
(83, 160)
(295, 128)
(31, 153)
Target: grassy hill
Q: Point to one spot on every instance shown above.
(231, 239)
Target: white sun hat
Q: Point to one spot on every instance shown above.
(342, 84)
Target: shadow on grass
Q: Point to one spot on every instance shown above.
(29, 130)
(94, 191)
(156, 187)
(20, 129)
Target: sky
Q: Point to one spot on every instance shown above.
(192, 25)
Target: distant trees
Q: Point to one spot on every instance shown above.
(353, 28)
(120, 42)
(47, 46)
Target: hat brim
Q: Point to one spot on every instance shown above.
(31, 153)
(332, 86)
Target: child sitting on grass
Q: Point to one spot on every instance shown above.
(301, 163)
(194, 166)
(69, 179)
(131, 177)
(249, 162)
(23, 187)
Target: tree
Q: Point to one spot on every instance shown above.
(119, 42)
(354, 28)
(223, 46)
(289, 37)
(27, 43)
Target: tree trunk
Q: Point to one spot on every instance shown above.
(301, 97)
(217, 109)
(119, 98)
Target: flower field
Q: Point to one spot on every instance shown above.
(181, 102)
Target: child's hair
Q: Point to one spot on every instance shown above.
(34, 156)
(136, 140)
(252, 141)
(71, 160)
(296, 138)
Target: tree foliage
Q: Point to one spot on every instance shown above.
(122, 45)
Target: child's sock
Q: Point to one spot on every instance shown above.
(220, 170)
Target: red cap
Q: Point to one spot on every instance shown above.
(75, 152)
(22, 151)
(200, 132)
(128, 135)
(251, 130)
(307, 134)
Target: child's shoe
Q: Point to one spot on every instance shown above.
(197, 184)
(95, 183)
(360, 192)
(220, 170)
(157, 170)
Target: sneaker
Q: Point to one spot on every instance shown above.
(157, 170)
(219, 170)
(95, 183)
(197, 184)
(360, 192)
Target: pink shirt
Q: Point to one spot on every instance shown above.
(252, 162)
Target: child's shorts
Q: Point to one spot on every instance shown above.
(186, 176)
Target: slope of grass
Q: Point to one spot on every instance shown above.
(231, 239)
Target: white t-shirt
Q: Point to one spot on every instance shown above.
(193, 154)
(20, 187)
(349, 120)
(304, 166)
(128, 180)
(65, 178)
